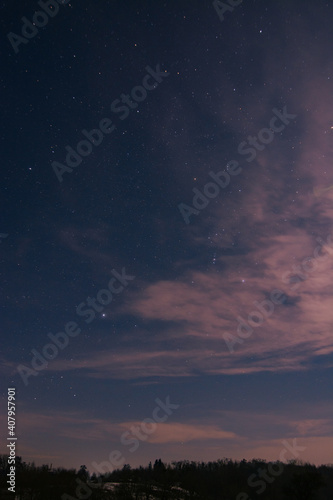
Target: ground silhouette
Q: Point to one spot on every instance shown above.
(223, 479)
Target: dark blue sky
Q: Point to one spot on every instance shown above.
(182, 250)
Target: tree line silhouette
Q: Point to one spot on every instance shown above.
(223, 479)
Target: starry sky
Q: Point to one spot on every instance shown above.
(166, 238)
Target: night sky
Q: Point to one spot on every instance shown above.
(166, 239)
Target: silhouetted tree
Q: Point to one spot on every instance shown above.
(83, 473)
(304, 485)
